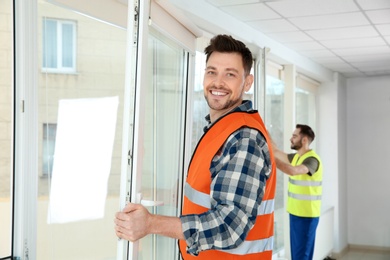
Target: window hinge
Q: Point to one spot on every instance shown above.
(129, 157)
(22, 106)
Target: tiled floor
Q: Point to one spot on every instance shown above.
(354, 254)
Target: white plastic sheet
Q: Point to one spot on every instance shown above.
(82, 159)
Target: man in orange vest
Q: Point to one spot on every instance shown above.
(228, 206)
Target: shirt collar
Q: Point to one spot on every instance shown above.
(246, 105)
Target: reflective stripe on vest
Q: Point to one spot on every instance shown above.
(203, 200)
(251, 247)
(306, 183)
(303, 197)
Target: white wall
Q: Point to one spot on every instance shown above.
(368, 173)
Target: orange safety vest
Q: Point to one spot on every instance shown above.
(259, 242)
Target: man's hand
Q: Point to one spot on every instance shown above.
(133, 222)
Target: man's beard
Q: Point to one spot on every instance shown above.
(296, 146)
(220, 106)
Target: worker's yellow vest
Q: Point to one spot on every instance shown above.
(305, 191)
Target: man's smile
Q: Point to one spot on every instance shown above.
(218, 93)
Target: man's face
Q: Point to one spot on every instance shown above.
(225, 82)
(296, 140)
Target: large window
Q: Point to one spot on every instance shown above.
(305, 94)
(274, 120)
(6, 128)
(59, 45)
(101, 49)
(162, 138)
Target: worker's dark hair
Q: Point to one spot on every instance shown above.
(306, 130)
(226, 43)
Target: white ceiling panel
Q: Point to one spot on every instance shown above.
(379, 16)
(312, 7)
(305, 46)
(285, 37)
(384, 29)
(318, 53)
(344, 33)
(372, 65)
(365, 58)
(250, 12)
(272, 26)
(373, 4)
(362, 51)
(330, 21)
(355, 43)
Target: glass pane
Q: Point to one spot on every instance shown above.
(6, 126)
(201, 108)
(67, 45)
(163, 138)
(274, 120)
(48, 145)
(101, 50)
(49, 35)
(305, 107)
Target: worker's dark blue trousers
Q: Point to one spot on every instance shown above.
(302, 237)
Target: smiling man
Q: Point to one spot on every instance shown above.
(229, 194)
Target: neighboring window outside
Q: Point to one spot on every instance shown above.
(59, 46)
(48, 145)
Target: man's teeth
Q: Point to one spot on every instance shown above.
(217, 93)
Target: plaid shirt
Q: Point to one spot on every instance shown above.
(239, 172)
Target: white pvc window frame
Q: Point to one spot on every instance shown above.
(26, 130)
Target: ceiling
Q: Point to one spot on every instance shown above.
(347, 36)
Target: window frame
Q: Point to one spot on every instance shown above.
(60, 50)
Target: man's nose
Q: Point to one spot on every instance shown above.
(219, 81)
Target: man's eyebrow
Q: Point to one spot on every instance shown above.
(228, 69)
(232, 69)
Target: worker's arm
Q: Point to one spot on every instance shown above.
(288, 169)
(283, 163)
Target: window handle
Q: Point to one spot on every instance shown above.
(148, 203)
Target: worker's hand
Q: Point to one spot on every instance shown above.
(133, 222)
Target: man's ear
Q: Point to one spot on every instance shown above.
(248, 82)
(306, 140)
